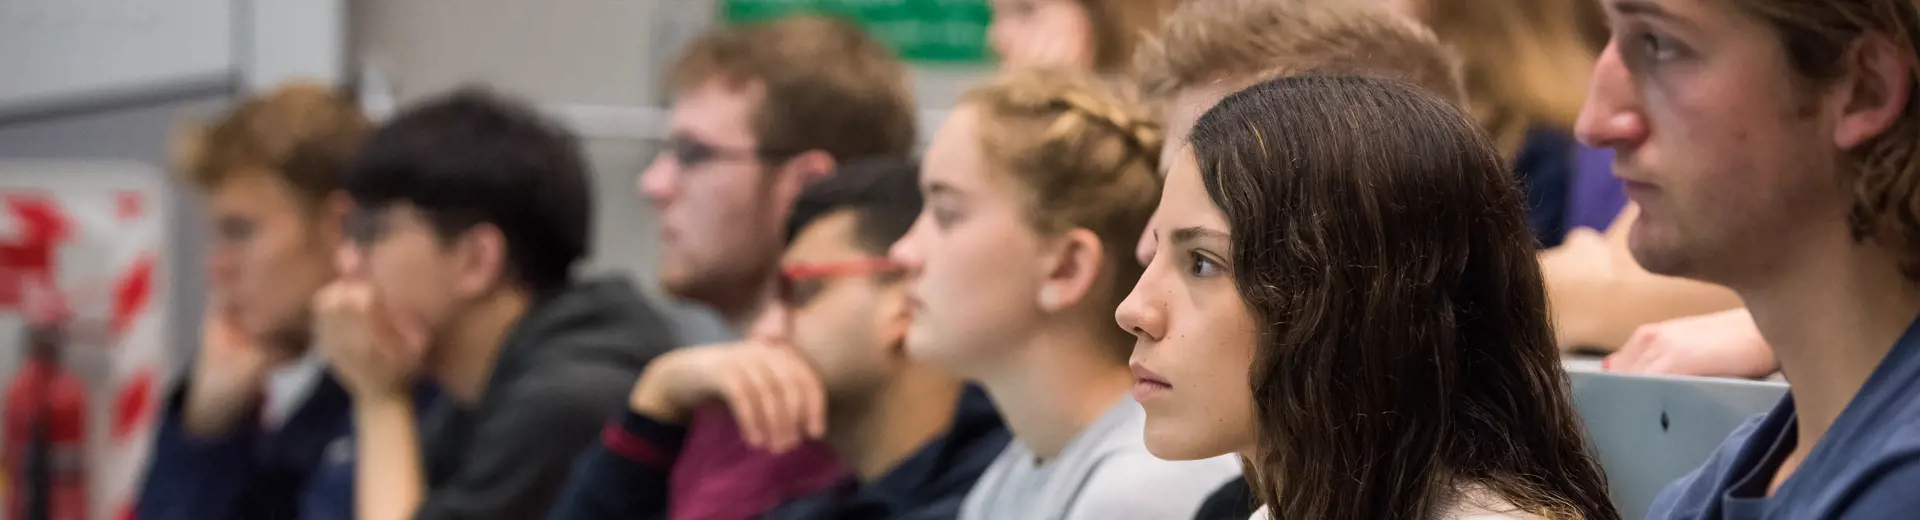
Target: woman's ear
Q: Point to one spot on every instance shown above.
(1071, 270)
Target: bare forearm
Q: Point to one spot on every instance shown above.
(388, 482)
(1602, 314)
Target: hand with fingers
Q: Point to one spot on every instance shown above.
(228, 374)
(771, 387)
(1721, 344)
(374, 351)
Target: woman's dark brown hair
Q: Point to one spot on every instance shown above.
(1404, 351)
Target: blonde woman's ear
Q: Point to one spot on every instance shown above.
(1049, 297)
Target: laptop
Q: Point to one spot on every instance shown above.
(1650, 430)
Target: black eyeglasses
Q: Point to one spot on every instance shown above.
(691, 153)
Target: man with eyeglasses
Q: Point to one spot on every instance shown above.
(829, 362)
(760, 111)
(470, 213)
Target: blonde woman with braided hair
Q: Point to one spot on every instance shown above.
(1036, 187)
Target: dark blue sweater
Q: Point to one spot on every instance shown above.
(625, 475)
(1545, 171)
(1866, 467)
(303, 470)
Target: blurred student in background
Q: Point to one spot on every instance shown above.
(916, 437)
(1208, 49)
(1037, 186)
(759, 111)
(1091, 35)
(1409, 400)
(1770, 146)
(259, 428)
(470, 213)
(1526, 65)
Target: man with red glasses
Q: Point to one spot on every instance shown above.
(828, 362)
(759, 111)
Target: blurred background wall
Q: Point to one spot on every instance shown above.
(592, 64)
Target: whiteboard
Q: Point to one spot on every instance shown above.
(63, 51)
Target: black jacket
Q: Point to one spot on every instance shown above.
(1233, 501)
(565, 369)
(625, 477)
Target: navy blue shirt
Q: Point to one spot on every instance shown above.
(301, 470)
(1545, 171)
(1867, 466)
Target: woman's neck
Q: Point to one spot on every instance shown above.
(1060, 382)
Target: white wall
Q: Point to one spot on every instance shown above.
(68, 52)
(556, 53)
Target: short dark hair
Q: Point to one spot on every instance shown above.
(883, 193)
(471, 157)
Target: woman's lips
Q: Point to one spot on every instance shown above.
(1147, 384)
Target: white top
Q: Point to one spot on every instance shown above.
(288, 387)
(1477, 503)
(1104, 473)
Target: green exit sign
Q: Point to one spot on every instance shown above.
(951, 31)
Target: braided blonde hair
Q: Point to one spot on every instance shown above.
(1086, 153)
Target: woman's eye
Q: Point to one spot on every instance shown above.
(944, 218)
(1655, 46)
(1203, 267)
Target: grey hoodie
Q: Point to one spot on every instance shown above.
(565, 369)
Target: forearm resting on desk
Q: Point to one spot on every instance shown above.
(1601, 314)
(1598, 294)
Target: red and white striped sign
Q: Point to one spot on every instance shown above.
(98, 233)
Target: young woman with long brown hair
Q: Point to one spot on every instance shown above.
(1345, 294)
(1036, 187)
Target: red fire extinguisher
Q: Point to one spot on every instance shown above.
(46, 430)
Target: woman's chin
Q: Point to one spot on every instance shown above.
(1169, 442)
(923, 347)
